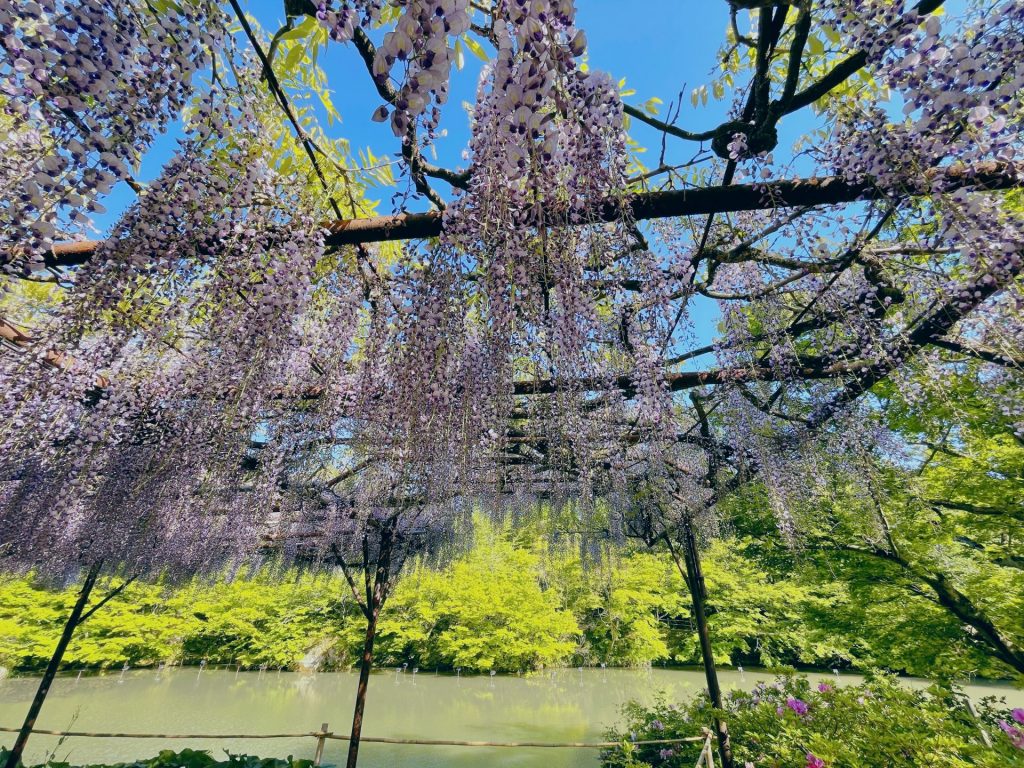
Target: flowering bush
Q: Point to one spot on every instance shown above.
(794, 723)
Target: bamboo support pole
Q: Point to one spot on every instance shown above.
(706, 758)
(321, 739)
(986, 739)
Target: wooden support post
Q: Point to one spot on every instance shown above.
(321, 739)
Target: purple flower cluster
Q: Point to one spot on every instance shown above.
(797, 706)
(961, 90)
(1014, 733)
(86, 86)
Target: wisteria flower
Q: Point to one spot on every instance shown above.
(1016, 735)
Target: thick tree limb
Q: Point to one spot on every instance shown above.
(648, 205)
(982, 353)
(1014, 512)
(954, 601)
(838, 74)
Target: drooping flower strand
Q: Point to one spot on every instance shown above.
(510, 291)
(547, 148)
(960, 86)
(86, 88)
(173, 352)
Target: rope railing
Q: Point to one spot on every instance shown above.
(325, 734)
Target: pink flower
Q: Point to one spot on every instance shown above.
(1016, 735)
(824, 687)
(813, 761)
(798, 706)
(1018, 715)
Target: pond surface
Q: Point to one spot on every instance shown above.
(561, 705)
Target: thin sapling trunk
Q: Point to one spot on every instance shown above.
(14, 757)
(375, 597)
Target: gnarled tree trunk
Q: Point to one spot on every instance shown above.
(375, 601)
(693, 575)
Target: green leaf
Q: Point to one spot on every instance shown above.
(295, 55)
(303, 30)
(651, 105)
(475, 48)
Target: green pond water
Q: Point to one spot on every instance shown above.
(560, 705)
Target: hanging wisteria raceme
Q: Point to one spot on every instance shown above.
(418, 46)
(536, 349)
(510, 290)
(342, 21)
(140, 403)
(960, 90)
(547, 146)
(86, 88)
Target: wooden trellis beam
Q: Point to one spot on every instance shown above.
(789, 193)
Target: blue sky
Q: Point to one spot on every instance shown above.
(660, 46)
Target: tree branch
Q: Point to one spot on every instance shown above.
(839, 73)
(981, 353)
(647, 205)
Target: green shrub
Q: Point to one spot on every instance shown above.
(486, 611)
(792, 724)
(190, 758)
